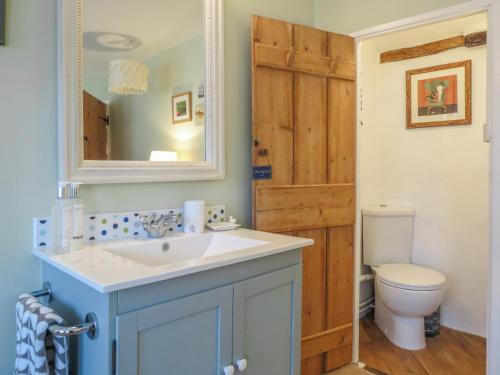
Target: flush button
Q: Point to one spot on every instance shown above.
(165, 247)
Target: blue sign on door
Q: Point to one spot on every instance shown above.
(262, 172)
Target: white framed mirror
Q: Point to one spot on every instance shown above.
(140, 90)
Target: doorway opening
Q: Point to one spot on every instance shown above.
(417, 149)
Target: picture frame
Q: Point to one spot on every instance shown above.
(439, 95)
(3, 10)
(182, 108)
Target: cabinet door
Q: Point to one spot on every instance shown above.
(191, 335)
(266, 323)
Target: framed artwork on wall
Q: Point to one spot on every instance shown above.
(181, 108)
(2, 22)
(439, 95)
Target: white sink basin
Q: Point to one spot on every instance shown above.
(112, 266)
(180, 248)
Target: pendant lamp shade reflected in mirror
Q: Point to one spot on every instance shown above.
(128, 77)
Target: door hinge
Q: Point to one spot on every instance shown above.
(105, 119)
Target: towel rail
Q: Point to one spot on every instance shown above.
(45, 292)
(89, 327)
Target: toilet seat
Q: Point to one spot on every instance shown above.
(410, 277)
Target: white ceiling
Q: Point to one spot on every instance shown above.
(159, 24)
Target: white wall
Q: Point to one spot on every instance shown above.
(493, 339)
(442, 172)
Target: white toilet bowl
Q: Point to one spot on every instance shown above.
(404, 295)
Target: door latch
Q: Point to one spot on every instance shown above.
(263, 152)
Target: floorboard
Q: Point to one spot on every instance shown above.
(451, 352)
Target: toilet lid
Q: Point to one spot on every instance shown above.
(410, 276)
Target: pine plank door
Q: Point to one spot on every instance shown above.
(95, 132)
(303, 111)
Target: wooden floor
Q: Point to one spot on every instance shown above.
(451, 352)
(350, 370)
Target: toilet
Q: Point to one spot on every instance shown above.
(404, 292)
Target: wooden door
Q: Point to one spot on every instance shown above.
(95, 133)
(190, 335)
(264, 324)
(303, 96)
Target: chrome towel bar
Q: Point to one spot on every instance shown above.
(89, 327)
(45, 292)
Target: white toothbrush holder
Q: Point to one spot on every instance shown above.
(194, 216)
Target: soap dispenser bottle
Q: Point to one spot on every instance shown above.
(77, 215)
(62, 221)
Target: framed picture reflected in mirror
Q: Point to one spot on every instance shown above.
(181, 108)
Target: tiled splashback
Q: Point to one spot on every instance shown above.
(112, 226)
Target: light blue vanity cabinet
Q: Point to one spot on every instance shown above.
(266, 323)
(190, 335)
(195, 324)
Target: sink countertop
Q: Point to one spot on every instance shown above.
(107, 272)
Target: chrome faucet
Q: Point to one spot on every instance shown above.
(156, 225)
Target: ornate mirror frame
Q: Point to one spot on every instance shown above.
(72, 165)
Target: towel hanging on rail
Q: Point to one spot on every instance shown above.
(37, 350)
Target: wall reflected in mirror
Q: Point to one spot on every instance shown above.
(143, 80)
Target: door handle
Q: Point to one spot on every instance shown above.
(229, 370)
(242, 364)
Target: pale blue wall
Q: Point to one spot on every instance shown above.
(141, 124)
(346, 16)
(27, 151)
(96, 83)
(28, 144)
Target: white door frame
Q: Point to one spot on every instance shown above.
(492, 7)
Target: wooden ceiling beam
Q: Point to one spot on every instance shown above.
(470, 40)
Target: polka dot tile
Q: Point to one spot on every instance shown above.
(42, 233)
(115, 226)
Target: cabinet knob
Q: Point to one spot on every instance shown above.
(242, 364)
(229, 370)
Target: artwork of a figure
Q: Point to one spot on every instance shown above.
(437, 95)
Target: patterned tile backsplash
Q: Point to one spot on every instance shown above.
(113, 226)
